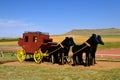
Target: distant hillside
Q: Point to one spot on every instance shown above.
(87, 32)
(8, 39)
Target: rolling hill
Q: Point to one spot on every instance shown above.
(103, 32)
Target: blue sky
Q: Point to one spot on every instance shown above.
(57, 16)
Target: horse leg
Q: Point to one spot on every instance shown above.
(77, 60)
(93, 58)
(56, 58)
(93, 54)
(62, 59)
(87, 61)
(81, 59)
(93, 61)
(52, 58)
(74, 60)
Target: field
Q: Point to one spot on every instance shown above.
(109, 42)
(45, 71)
(80, 39)
(11, 69)
(105, 69)
(13, 43)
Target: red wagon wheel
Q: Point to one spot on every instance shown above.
(21, 55)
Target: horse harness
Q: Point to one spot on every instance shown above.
(87, 45)
(61, 46)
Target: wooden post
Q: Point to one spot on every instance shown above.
(1, 53)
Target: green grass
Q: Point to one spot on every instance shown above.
(60, 73)
(8, 39)
(110, 36)
(109, 45)
(109, 59)
(32, 72)
(8, 56)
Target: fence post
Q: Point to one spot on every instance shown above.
(1, 53)
(13, 53)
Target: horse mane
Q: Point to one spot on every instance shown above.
(93, 39)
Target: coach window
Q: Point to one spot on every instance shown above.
(26, 38)
(34, 39)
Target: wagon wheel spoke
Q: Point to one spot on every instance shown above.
(38, 56)
(21, 55)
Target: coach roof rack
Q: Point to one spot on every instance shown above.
(37, 32)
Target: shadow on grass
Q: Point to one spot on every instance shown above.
(109, 60)
(30, 60)
(2, 62)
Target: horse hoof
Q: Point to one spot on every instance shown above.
(85, 65)
(81, 63)
(73, 64)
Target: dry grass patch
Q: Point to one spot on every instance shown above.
(13, 43)
(111, 39)
(80, 39)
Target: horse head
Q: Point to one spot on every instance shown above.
(100, 40)
(93, 40)
(68, 41)
(71, 41)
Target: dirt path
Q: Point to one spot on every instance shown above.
(99, 65)
(107, 53)
(10, 48)
(110, 53)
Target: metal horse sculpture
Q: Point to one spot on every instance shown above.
(94, 49)
(89, 47)
(57, 52)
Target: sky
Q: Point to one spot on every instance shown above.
(57, 16)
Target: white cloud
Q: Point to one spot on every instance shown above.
(19, 25)
(13, 23)
(16, 28)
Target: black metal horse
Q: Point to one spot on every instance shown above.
(88, 48)
(57, 52)
(94, 49)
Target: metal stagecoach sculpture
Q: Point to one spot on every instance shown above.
(42, 47)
